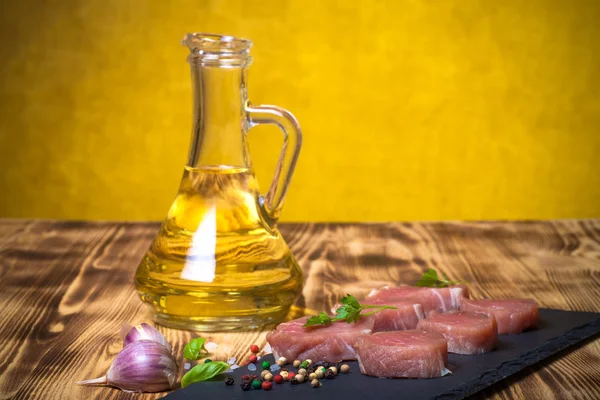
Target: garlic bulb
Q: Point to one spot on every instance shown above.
(142, 366)
(142, 331)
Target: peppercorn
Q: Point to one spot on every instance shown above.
(303, 365)
(266, 385)
(265, 365)
(281, 361)
(254, 348)
(295, 380)
(278, 379)
(296, 363)
(334, 369)
(320, 373)
(302, 371)
(344, 369)
(256, 384)
(252, 358)
(312, 376)
(329, 374)
(229, 381)
(284, 375)
(315, 383)
(326, 364)
(268, 376)
(249, 377)
(300, 378)
(291, 375)
(207, 361)
(246, 385)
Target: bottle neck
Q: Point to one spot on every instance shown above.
(219, 117)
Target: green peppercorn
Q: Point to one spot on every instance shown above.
(256, 384)
(265, 365)
(207, 360)
(303, 364)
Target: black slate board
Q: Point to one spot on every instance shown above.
(558, 330)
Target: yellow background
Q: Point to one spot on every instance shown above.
(411, 110)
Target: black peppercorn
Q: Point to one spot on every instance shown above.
(229, 381)
(246, 385)
(329, 374)
(294, 381)
(325, 364)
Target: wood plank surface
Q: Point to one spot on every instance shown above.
(67, 288)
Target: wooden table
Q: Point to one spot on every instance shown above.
(67, 288)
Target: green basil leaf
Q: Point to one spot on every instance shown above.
(192, 350)
(203, 372)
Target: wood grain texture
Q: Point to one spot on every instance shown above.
(67, 287)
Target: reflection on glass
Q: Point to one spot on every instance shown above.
(201, 262)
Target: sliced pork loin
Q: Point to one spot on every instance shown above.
(466, 332)
(403, 354)
(512, 315)
(331, 343)
(406, 315)
(431, 299)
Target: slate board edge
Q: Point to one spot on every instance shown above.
(548, 349)
(590, 326)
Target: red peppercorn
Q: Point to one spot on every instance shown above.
(291, 375)
(252, 358)
(254, 348)
(278, 379)
(266, 385)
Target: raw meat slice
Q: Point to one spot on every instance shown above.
(466, 332)
(512, 315)
(331, 343)
(403, 354)
(431, 299)
(406, 315)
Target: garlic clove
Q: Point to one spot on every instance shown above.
(143, 331)
(142, 366)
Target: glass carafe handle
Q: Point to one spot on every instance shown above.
(272, 201)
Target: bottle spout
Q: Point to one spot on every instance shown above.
(217, 50)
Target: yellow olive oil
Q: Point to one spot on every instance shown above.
(216, 264)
